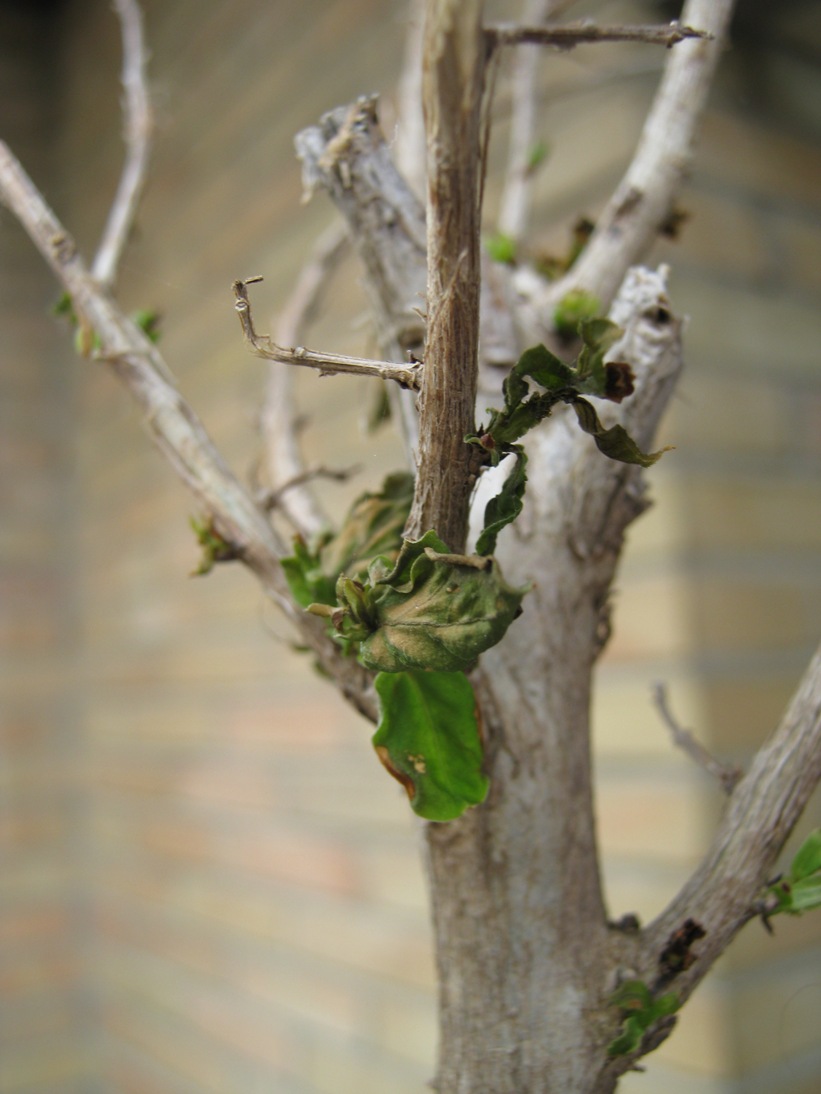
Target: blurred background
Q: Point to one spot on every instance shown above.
(207, 882)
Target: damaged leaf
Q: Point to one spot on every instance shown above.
(434, 610)
(429, 739)
(614, 442)
(505, 507)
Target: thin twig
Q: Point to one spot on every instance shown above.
(328, 364)
(687, 742)
(270, 499)
(279, 421)
(137, 127)
(514, 205)
(576, 34)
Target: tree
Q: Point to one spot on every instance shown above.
(536, 992)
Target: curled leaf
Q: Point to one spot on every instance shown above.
(614, 442)
(435, 613)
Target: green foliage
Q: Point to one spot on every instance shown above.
(149, 323)
(429, 739)
(640, 1010)
(800, 891)
(429, 610)
(573, 308)
(501, 248)
(373, 526)
(214, 547)
(526, 406)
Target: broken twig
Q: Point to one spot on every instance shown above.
(686, 741)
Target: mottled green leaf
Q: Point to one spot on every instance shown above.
(435, 610)
(505, 507)
(428, 738)
(306, 579)
(615, 442)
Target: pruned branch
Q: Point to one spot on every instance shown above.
(576, 34)
(328, 364)
(452, 83)
(642, 201)
(684, 739)
(137, 127)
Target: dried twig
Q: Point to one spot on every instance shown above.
(271, 499)
(687, 742)
(137, 126)
(576, 34)
(281, 459)
(327, 364)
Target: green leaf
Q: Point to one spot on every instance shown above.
(615, 442)
(807, 860)
(373, 526)
(214, 547)
(505, 507)
(149, 323)
(805, 895)
(435, 610)
(428, 738)
(501, 248)
(537, 156)
(308, 582)
(629, 1039)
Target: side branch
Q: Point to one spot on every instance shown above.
(643, 199)
(576, 34)
(761, 813)
(137, 124)
(408, 376)
(173, 425)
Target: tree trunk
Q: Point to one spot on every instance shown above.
(525, 956)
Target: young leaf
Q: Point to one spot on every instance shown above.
(505, 507)
(428, 738)
(574, 307)
(434, 610)
(501, 248)
(807, 860)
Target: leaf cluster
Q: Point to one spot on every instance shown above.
(538, 382)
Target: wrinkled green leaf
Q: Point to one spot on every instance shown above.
(434, 610)
(428, 738)
(615, 442)
(506, 506)
(373, 526)
(807, 859)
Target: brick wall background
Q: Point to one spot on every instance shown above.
(207, 884)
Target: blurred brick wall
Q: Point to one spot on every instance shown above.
(211, 886)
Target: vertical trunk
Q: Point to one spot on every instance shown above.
(525, 956)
